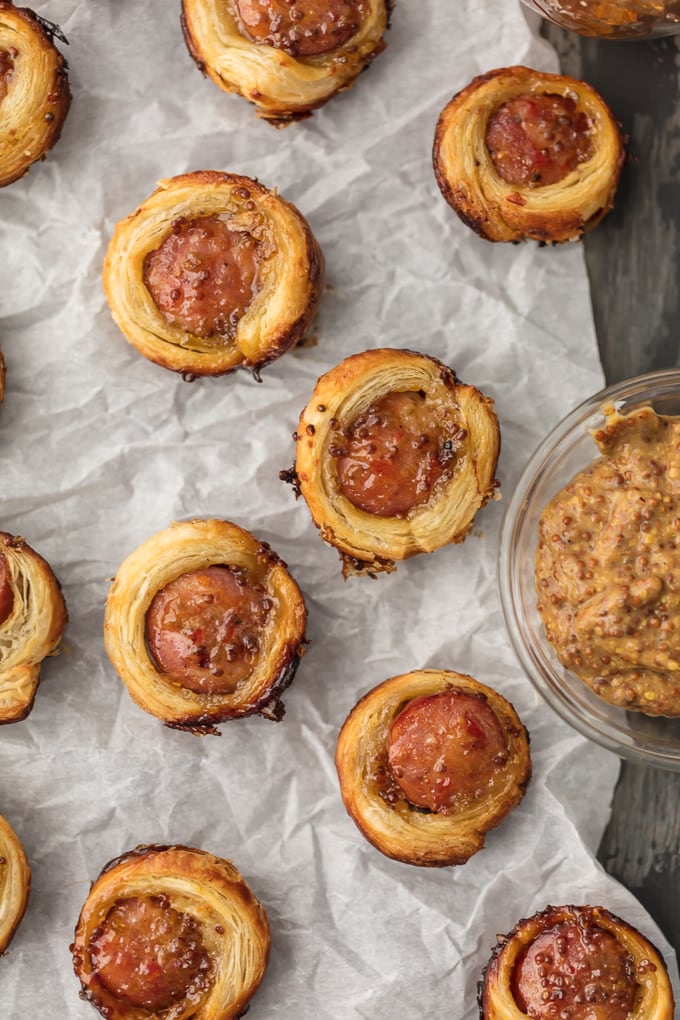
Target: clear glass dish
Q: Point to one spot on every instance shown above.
(567, 450)
(612, 19)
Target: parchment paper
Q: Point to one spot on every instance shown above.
(99, 449)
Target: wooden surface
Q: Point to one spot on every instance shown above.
(633, 261)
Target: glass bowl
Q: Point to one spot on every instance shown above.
(612, 19)
(568, 449)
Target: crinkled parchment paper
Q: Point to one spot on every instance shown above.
(99, 449)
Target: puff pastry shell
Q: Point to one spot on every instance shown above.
(37, 97)
(654, 996)
(233, 926)
(15, 883)
(368, 543)
(290, 276)
(407, 834)
(33, 628)
(501, 211)
(182, 548)
(283, 88)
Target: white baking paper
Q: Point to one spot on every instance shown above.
(99, 449)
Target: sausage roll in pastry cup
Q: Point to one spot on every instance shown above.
(15, 883)
(32, 620)
(204, 623)
(285, 58)
(34, 90)
(428, 762)
(394, 457)
(170, 933)
(212, 272)
(522, 154)
(575, 962)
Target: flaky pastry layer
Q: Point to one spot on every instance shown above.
(290, 277)
(369, 543)
(183, 548)
(500, 211)
(399, 831)
(38, 97)
(283, 88)
(233, 926)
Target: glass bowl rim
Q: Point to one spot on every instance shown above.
(626, 390)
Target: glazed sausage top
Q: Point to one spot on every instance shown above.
(204, 628)
(150, 955)
(6, 592)
(444, 750)
(303, 28)
(534, 140)
(203, 276)
(392, 455)
(575, 972)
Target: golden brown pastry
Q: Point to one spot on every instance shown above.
(204, 623)
(15, 883)
(579, 963)
(34, 90)
(394, 457)
(212, 272)
(32, 620)
(170, 933)
(523, 154)
(429, 762)
(286, 59)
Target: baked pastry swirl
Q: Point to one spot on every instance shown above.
(204, 623)
(212, 272)
(15, 883)
(523, 154)
(575, 963)
(430, 761)
(287, 60)
(170, 933)
(34, 90)
(394, 457)
(32, 620)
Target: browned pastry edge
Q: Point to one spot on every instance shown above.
(183, 547)
(418, 837)
(344, 66)
(498, 211)
(296, 288)
(32, 631)
(208, 888)
(495, 997)
(15, 883)
(49, 113)
(369, 544)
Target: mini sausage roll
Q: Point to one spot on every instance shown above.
(32, 620)
(170, 932)
(522, 154)
(204, 623)
(575, 962)
(15, 883)
(428, 762)
(213, 272)
(394, 457)
(286, 59)
(34, 90)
